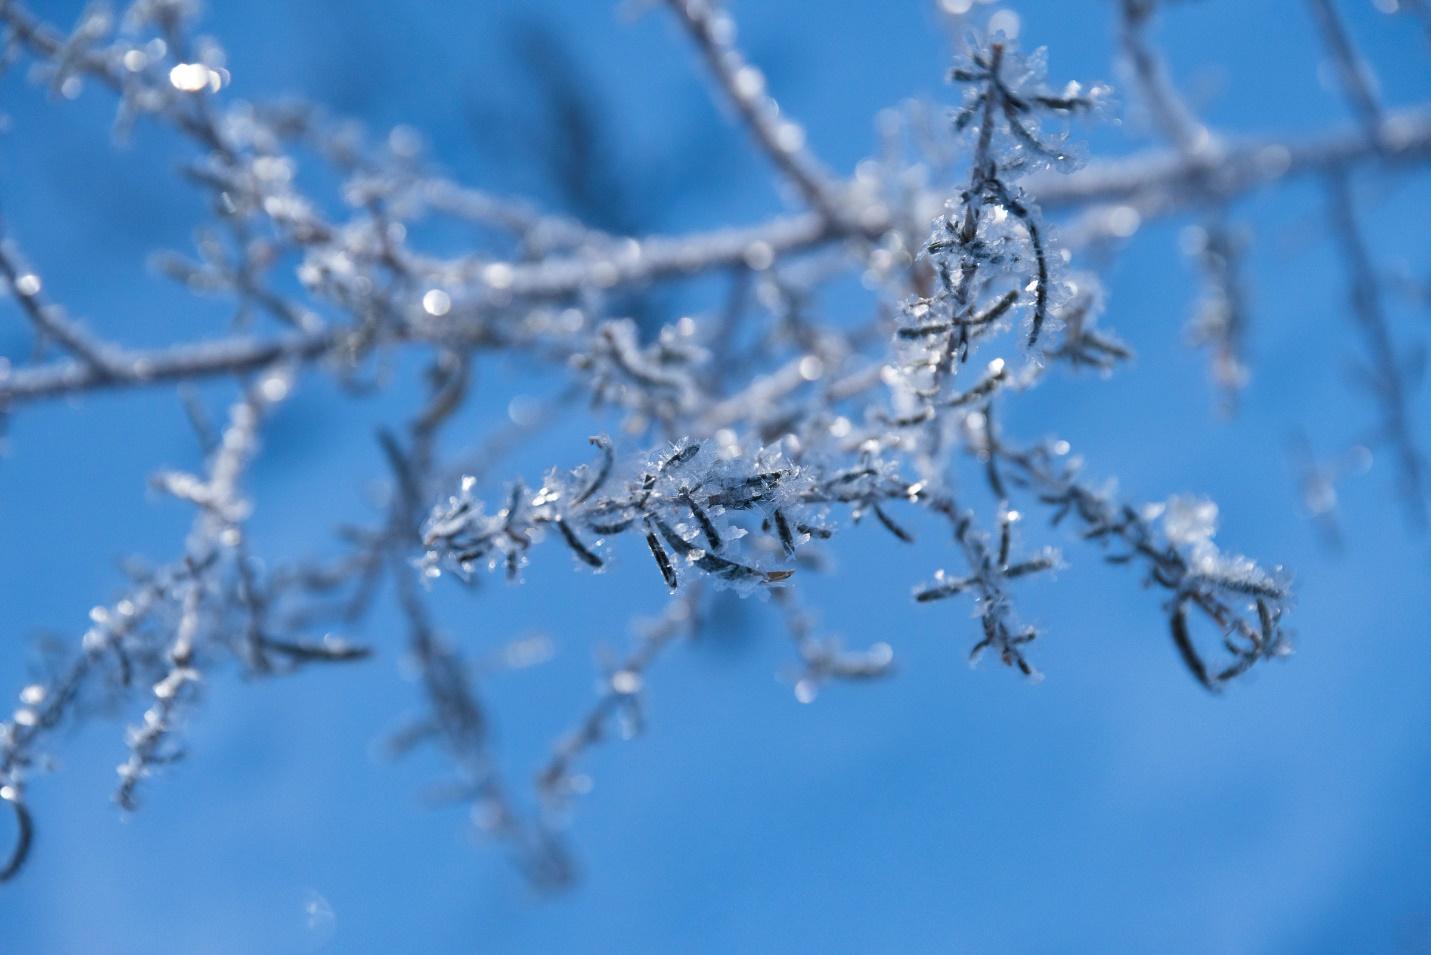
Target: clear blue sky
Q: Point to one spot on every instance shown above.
(1115, 806)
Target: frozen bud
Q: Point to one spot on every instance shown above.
(759, 256)
(790, 137)
(499, 275)
(626, 682)
(189, 77)
(436, 303)
(749, 82)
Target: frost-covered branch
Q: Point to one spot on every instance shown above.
(158, 632)
(1160, 182)
(743, 86)
(1221, 319)
(619, 699)
(1384, 373)
(738, 442)
(1244, 601)
(1356, 79)
(50, 322)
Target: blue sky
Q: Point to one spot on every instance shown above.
(1114, 806)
